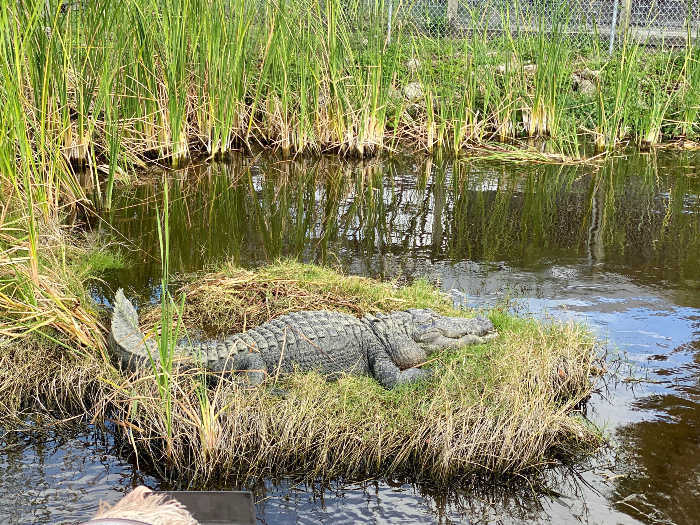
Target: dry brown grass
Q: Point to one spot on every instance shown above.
(48, 297)
(39, 379)
(51, 338)
(233, 299)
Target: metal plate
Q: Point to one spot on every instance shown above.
(224, 507)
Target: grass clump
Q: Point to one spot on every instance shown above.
(234, 298)
(44, 293)
(507, 408)
(52, 339)
(500, 409)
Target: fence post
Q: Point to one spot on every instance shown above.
(613, 28)
(388, 24)
(451, 11)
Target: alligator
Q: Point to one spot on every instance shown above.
(388, 347)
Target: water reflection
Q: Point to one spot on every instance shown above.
(59, 477)
(661, 454)
(631, 217)
(616, 245)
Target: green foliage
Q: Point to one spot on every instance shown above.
(98, 260)
(116, 84)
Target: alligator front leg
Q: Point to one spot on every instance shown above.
(250, 364)
(387, 373)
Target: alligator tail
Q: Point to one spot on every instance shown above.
(126, 341)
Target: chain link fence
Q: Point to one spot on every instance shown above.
(656, 21)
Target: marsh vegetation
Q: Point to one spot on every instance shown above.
(507, 408)
(90, 95)
(113, 85)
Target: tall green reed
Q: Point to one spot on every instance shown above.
(167, 340)
(660, 96)
(221, 72)
(88, 36)
(173, 44)
(30, 157)
(615, 110)
(550, 50)
(143, 101)
(170, 326)
(299, 76)
(690, 89)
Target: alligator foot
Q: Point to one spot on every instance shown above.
(413, 375)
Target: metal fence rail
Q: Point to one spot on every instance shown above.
(667, 21)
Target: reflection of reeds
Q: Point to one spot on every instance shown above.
(325, 209)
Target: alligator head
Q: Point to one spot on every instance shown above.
(435, 332)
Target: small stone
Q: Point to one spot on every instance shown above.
(583, 85)
(587, 87)
(590, 74)
(413, 64)
(413, 91)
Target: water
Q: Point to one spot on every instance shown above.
(615, 245)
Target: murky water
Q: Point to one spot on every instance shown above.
(616, 245)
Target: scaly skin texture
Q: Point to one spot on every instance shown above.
(387, 347)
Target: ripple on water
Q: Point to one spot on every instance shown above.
(53, 479)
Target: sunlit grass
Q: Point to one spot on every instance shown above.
(508, 408)
(132, 82)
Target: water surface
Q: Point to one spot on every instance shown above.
(616, 245)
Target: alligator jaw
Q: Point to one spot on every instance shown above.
(453, 332)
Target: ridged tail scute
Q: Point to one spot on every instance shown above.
(127, 342)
